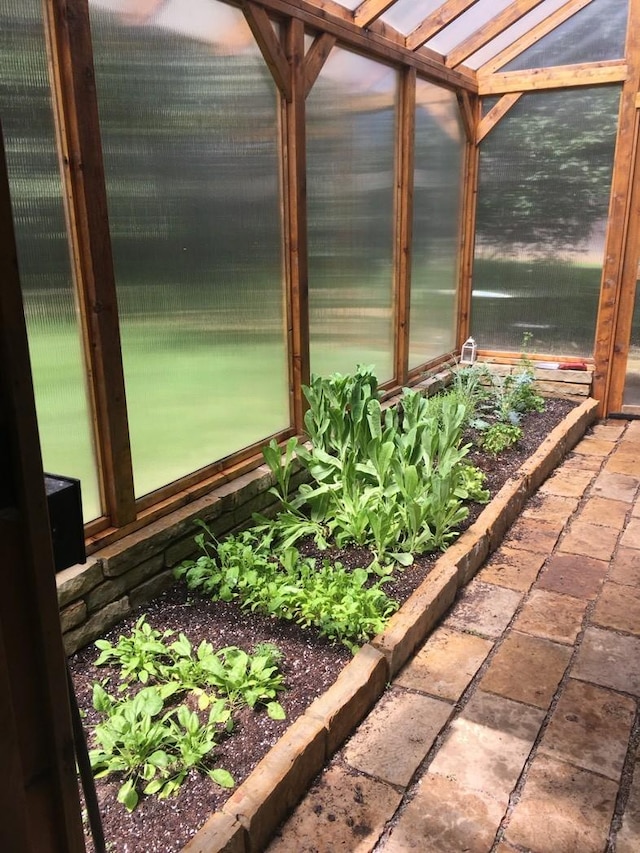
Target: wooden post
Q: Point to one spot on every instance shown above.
(80, 144)
(467, 230)
(40, 799)
(296, 220)
(404, 221)
(611, 292)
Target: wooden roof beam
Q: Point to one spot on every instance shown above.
(490, 30)
(533, 35)
(561, 77)
(437, 21)
(369, 10)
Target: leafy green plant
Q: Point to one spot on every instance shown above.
(499, 436)
(152, 751)
(344, 605)
(154, 746)
(139, 654)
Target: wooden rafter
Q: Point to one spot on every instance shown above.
(369, 10)
(488, 122)
(269, 45)
(563, 76)
(490, 30)
(316, 57)
(437, 21)
(532, 36)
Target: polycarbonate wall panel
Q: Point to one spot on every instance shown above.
(545, 181)
(189, 120)
(437, 196)
(595, 33)
(351, 113)
(57, 359)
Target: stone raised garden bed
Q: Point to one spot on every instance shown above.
(251, 814)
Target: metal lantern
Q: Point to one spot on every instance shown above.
(468, 352)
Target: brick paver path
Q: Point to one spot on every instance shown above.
(516, 726)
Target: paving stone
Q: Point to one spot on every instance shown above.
(341, 810)
(552, 616)
(579, 462)
(446, 663)
(624, 461)
(562, 809)
(604, 511)
(618, 607)
(618, 487)
(568, 483)
(532, 535)
(527, 669)
(550, 507)
(487, 746)
(595, 446)
(396, 736)
(589, 540)
(513, 568)
(484, 609)
(631, 536)
(632, 431)
(445, 817)
(609, 659)
(625, 567)
(628, 838)
(573, 574)
(609, 430)
(590, 728)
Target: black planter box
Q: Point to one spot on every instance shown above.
(65, 520)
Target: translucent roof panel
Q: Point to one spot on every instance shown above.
(513, 33)
(594, 34)
(406, 15)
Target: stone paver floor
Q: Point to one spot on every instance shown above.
(515, 728)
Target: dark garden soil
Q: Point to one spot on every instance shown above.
(310, 665)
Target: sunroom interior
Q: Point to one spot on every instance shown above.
(211, 201)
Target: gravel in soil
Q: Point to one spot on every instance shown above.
(310, 665)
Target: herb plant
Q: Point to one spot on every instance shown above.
(153, 742)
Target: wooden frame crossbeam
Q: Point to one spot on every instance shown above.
(561, 77)
(269, 45)
(554, 20)
(437, 21)
(468, 116)
(495, 114)
(315, 59)
(492, 28)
